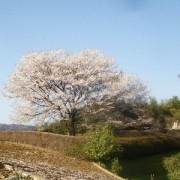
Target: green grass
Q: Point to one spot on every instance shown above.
(165, 166)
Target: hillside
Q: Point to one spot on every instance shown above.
(48, 164)
(43, 154)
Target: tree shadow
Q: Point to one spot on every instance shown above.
(144, 168)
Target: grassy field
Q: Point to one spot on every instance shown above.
(164, 166)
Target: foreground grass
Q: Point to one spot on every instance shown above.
(165, 166)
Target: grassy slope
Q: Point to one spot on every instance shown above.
(34, 154)
(46, 140)
(165, 166)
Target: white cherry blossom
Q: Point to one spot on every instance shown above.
(56, 85)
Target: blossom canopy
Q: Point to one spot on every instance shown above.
(52, 85)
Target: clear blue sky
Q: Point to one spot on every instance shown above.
(143, 36)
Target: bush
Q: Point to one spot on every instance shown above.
(100, 144)
(172, 165)
(57, 127)
(60, 127)
(162, 124)
(174, 132)
(145, 146)
(115, 166)
(81, 130)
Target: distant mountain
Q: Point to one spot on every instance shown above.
(16, 127)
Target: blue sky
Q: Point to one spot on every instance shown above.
(143, 36)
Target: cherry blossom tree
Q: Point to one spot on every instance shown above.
(55, 85)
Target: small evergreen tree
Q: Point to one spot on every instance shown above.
(162, 124)
(100, 145)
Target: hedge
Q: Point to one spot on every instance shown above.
(144, 146)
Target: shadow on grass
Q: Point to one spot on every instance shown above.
(142, 169)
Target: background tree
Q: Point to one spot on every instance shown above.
(130, 110)
(176, 115)
(165, 111)
(162, 123)
(174, 103)
(154, 108)
(55, 85)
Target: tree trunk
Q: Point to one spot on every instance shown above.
(71, 126)
(72, 131)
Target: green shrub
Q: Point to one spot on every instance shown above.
(162, 124)
(81, 129)
(60, 127)
(19, 176)
(115, 166)
(172, 165)
(57, 127)
(100, 144)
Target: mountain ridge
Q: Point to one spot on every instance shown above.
(16, 127)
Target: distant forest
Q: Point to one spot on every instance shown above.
(16, 127)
